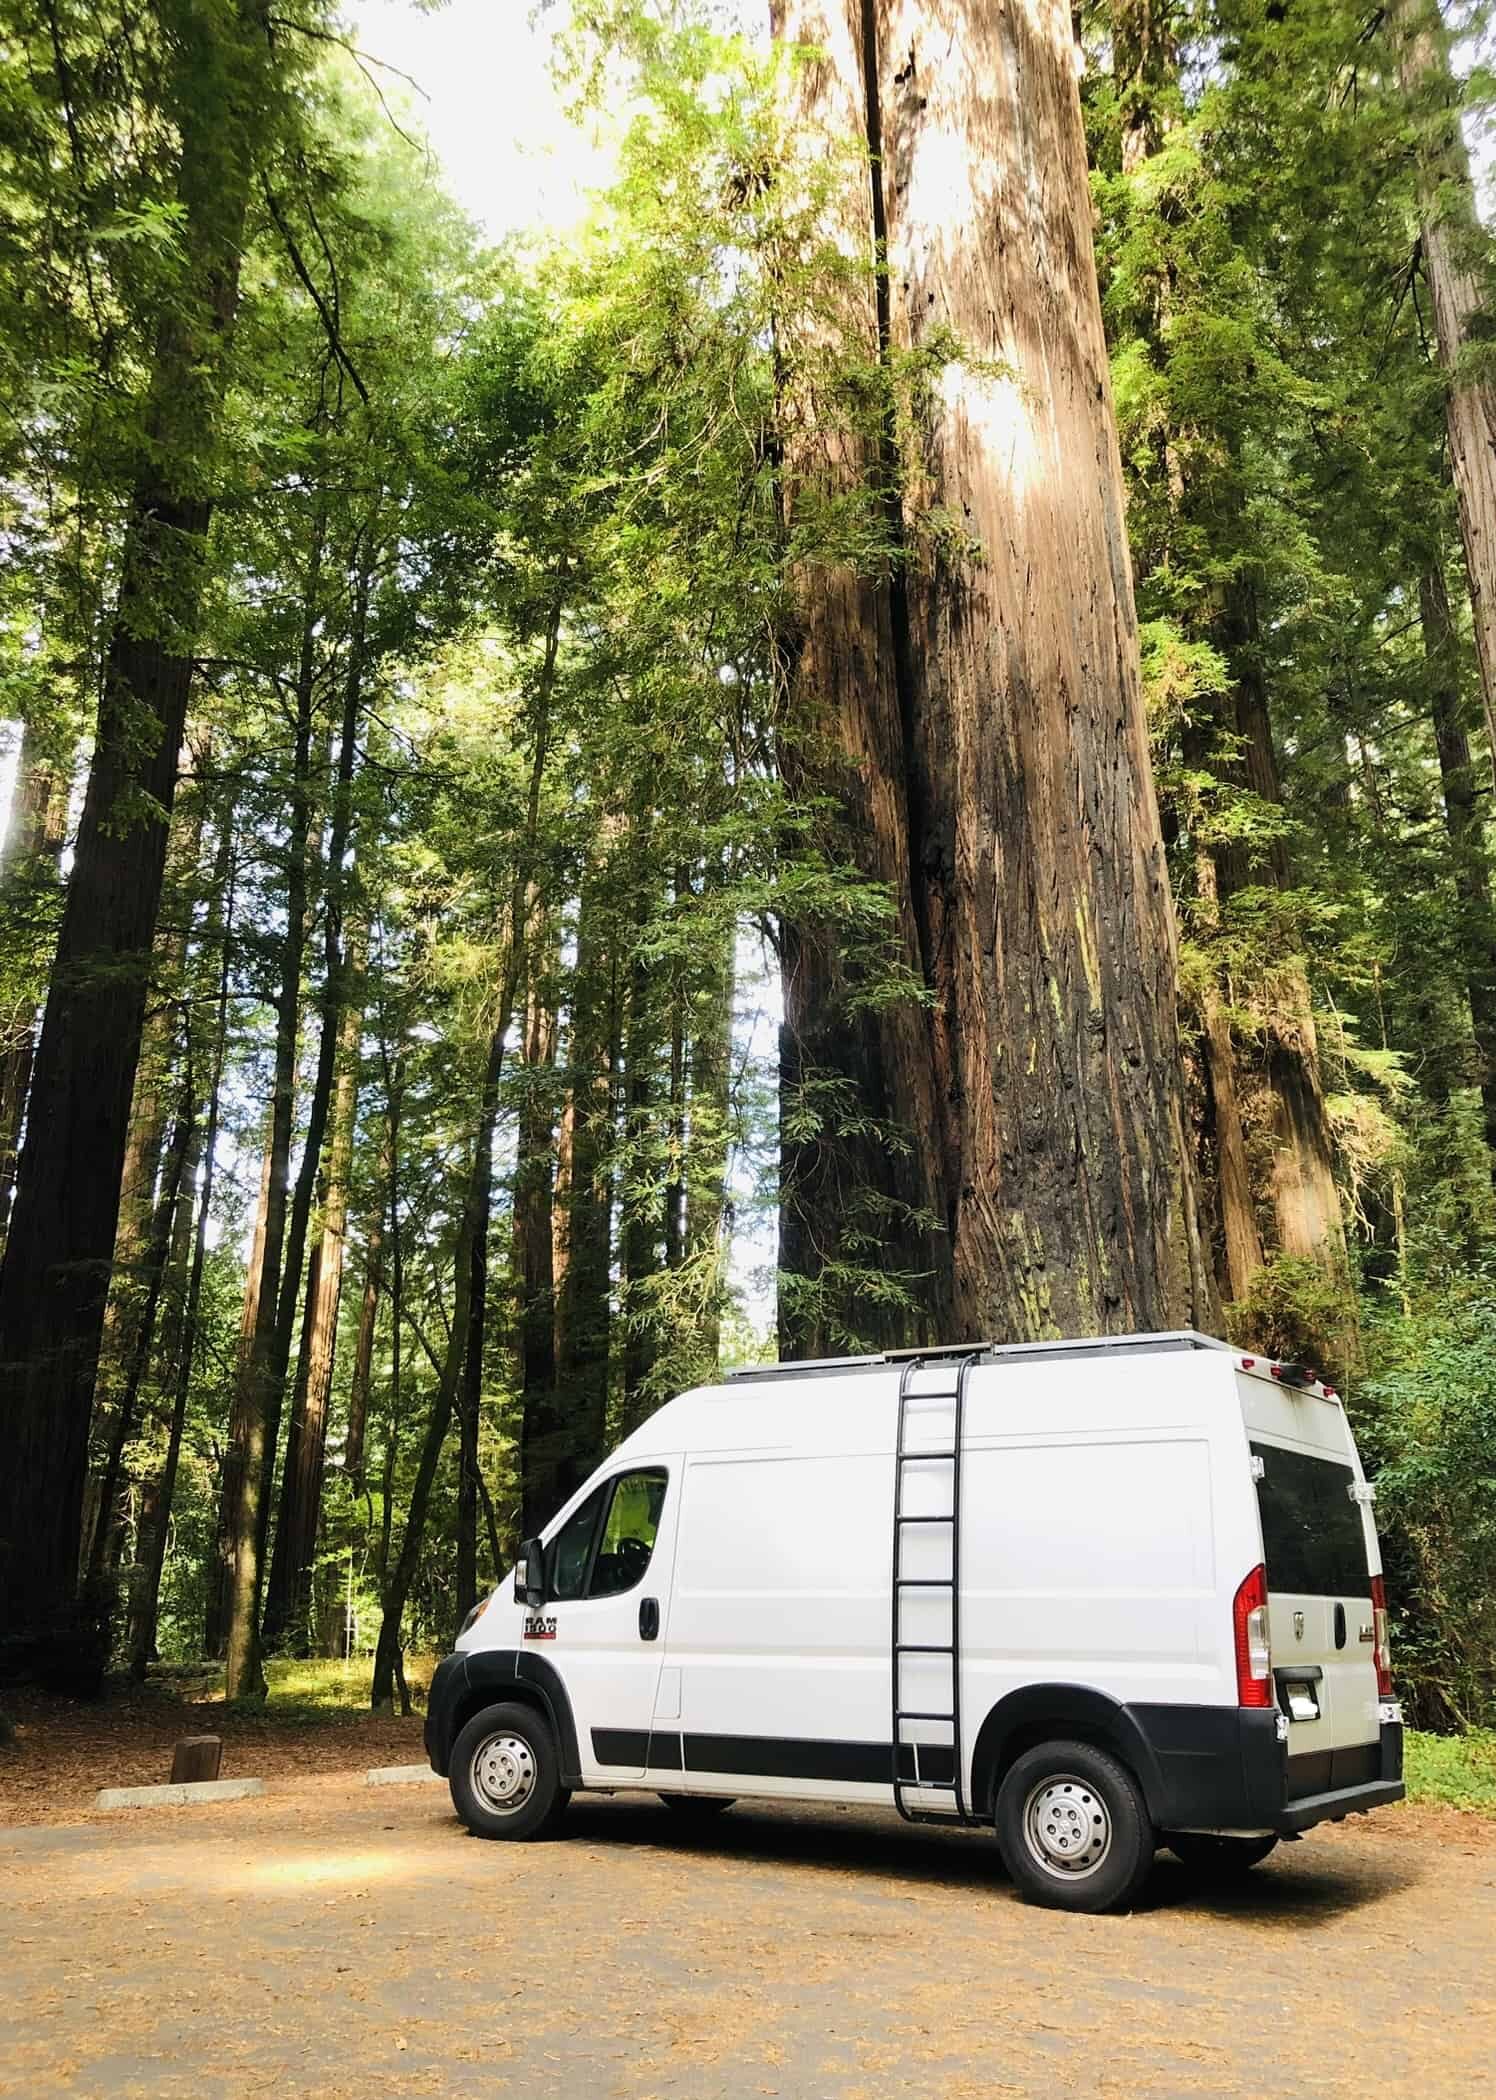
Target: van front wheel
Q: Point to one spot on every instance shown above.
(506, 1774)
(1073, 1828)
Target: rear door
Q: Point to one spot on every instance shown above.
(1319, 1568)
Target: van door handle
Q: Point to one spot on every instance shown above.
(649, 1618)
(1340, 1626)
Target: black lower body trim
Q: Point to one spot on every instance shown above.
(771, 1757)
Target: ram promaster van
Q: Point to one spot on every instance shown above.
(1101, 1595)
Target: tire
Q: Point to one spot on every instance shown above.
(1073, 1828)
(698, 1808)
(1218, 1858)
(505, 1774)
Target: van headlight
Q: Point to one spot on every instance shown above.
(476, 1613)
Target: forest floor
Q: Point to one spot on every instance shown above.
(332, 1940)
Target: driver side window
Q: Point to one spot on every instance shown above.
(630, 1527)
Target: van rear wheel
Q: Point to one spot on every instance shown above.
(505, 1774)
(1073, 1828)
(1218, 1858)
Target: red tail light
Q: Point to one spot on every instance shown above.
(1254, 1655)
(1383, 1649)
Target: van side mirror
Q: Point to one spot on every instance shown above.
(529, 1574)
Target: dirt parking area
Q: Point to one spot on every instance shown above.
(337, 1940)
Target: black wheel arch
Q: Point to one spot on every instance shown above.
(491, 1674)
(1039, 1713)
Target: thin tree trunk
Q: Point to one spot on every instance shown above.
(363, 1358)
(55, 1273)
(533, 1241)
(257, 1394)
(287, 1595)
(578, 1429)
(1453, 245)
(639, 1228)
(152, 1555)
(706, 1185)
(221, 1574)
(1467, 847)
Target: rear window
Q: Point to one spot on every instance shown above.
(1312, 1534)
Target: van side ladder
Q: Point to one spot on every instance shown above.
(927, 1536)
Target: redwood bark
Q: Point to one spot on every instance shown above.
(1453, 240)
(54, 1277)
(1033, 857)
(1476, 926)
(533, 1244)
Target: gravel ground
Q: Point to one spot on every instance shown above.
(335, 1940)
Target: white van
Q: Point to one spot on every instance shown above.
(1102, 1594)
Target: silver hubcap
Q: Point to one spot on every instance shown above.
(504, 1773)
(1066, 1826)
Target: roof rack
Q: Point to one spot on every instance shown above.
(983, 1352)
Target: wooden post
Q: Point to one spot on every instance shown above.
(196, 1757)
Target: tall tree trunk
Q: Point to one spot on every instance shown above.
(54, 1277)
(1453, 241)
(860, 1164)
(287, 1595)
(1017, 747)
(639, 1226)
(30, 860)
(706, 1191)
(1467, 846)
(221, 1572)
(1241, 1241)
(533, 1242)
(363, 1358)
(146, 1602)
(585, 1297)
(1305, 1199)
(257, 1391)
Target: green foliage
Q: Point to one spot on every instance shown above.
(1455, 1771)
(1296, 1313)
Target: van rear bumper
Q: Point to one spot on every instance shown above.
(1227, 1768)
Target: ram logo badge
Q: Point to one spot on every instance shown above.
(539, 1629)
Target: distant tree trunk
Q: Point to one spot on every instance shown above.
(1467, 846)
(363, 1358)
(1306, 1201)
(30, 860)
(388, 1651)
(533, 1242)
(146, 1602)
(1242, 1243)
(288, 1592)
(585, 1309)
(711, 1085)
(54, 1277)
(1453, 244)
(639, 1226)
(470, 1387)
(221, 1573)
(257, 1392)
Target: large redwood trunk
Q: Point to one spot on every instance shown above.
(55, 1273)
(1476, 928)
(1034, 863)
(1452, 241)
